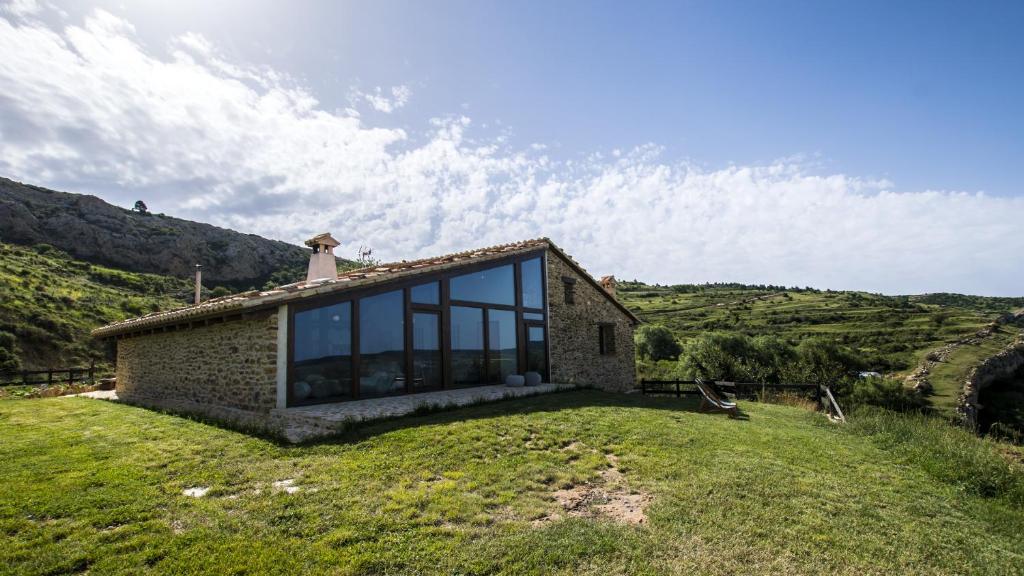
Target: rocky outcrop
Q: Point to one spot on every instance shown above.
(1006, 363)
(92, 230)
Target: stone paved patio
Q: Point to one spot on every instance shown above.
(307, 422)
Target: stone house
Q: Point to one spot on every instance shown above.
(463, 320)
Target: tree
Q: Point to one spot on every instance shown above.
(656, 343)
(140, 207)
(718, 356)
(826, 362)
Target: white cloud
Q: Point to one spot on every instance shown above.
(88, 109)
(22, 8)
(382, 103)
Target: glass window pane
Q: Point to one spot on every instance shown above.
(426, 350)
(492, 286)
(532, 316)
(501, 334)
(322, 366)
(381, 344)
(533, 284)
(467, 345)
(429, 293)
(536, 360)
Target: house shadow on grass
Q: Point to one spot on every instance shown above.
(550, 402)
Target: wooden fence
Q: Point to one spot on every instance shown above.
(51, 376)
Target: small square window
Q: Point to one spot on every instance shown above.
(606, 334)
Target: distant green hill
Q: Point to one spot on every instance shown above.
(50, 302)
(892, 332)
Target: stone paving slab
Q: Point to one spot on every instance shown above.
(306, 422)
(302, 423)
(99, 394)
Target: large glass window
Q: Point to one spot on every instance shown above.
(501, 339)
(467, 334)
(429, 293)
(381, 344)
(323, 353)
(426, 350)
(491, 286)
(536, 356)
(533, 283)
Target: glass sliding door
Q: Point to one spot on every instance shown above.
(323, 354)
(536, 350)
(426, 351)
(467, 337)
(382, 344)
(501, 344)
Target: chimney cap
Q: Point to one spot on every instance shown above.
(322, 239)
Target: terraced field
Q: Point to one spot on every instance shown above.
(893, 332)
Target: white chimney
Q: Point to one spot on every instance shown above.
(322, 263)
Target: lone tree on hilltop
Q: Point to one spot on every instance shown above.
(140, 207)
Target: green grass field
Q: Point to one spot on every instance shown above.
(892, 332)
(98, 487)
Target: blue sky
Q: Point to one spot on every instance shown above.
(927, 94)
(819, 143)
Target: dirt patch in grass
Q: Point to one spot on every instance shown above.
(606, 497)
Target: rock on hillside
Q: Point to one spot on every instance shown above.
(92, 230)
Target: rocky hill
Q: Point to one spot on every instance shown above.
(92, 230)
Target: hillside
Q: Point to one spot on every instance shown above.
(92, 230)
(547, 485)
(50, 302)
(892, 332)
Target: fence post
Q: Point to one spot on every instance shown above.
(24, 376)
(679, 393)
(817, 394)
(643, 386)
(49, 377)
(92, 371)
(71, 376)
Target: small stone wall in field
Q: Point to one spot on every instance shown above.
(222, 370)
(575, 338)
(1006, 363)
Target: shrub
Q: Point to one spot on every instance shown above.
(888, 394)
(656, 343)
(9, 360)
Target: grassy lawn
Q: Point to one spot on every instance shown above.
(89, 485)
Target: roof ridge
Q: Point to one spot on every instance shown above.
(260, 297)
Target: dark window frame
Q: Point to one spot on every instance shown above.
(606, 339)
(569, 285)
(405, 284)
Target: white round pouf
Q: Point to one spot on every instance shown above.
(532, 378)
(515, 380)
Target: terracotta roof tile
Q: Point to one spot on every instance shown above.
(261, 298)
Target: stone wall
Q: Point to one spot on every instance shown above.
(1007, 362)
(226, 370)
(574, 334)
